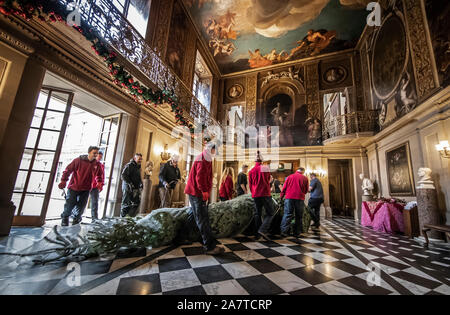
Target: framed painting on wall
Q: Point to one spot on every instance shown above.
(399, 171)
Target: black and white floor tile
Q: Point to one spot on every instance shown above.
(338, 259)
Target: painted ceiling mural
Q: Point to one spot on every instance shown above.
(246, 34)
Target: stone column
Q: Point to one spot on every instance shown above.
(427, 202)
(15, 136)
(145, 198)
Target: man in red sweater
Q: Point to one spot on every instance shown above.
(84, 170)
(294, 191)
(198, 188)
(259, 182)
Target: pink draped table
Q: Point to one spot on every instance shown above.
(383, 216)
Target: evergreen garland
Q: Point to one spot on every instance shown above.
(52, 11)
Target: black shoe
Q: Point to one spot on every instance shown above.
(265, 236)
(284, 235)
(65, 222)
(215, 251)
(76, 221)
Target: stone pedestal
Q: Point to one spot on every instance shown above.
(367, 198)
(427, 206)
(146, 196)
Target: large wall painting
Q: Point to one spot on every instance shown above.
(177, 39)
(246, 34)
(399, 171)
(438, 14)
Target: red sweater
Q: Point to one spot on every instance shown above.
(83, 172)
(200, 176)
(94, 180)
(259, 181)
(295, 187)
(226, 188)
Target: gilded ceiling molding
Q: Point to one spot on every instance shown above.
(251, 97)
(420, 51)
(312, 90)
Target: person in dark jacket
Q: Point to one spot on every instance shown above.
(198, 188)
(97, 189)
(259, 182)
(241, 183)
(226, 184)
(131, 187)
(84, 170)
(315, 198)
(169, 175)
(294, 190)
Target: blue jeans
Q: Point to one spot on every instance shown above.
(200, 211)
(263, 226)
(293, 207)
(94, 203)
(76, 202)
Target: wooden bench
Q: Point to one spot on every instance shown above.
(440, 228)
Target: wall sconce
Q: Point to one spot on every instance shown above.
(166, 155)
(444, 149)
(319, 172)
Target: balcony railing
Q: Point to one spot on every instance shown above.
(352, 123)
(103, 16)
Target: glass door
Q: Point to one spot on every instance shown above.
(37, 170)
(108, 145)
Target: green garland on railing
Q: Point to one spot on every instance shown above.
(51, 11)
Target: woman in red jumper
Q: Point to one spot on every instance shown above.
(226, 184)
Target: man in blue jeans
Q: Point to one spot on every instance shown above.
(294, 190)
(82, 172)
(259, 183)
(198, 188)
(315, 198)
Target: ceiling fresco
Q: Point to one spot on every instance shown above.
(246, 34)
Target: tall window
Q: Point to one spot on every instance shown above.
(202, 82)
(136, 12)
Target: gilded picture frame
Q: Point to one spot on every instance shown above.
(399, 171)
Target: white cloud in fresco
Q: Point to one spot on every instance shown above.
(274, 18)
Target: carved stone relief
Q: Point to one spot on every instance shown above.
(312, 90)
(162, 27)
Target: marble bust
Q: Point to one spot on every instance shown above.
(425, 180)
(148, 170)
(367, 185)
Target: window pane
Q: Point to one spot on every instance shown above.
(26, 159)
(42, 100)
(58, 101)
(119, 4)
(53, 120)
(32, 137)
(107, 125)
(43, 161)
(37, 118)
(16, 200)
(20, 180)
(49, 140)
(32, 204)
(38, 182)
(138, 15)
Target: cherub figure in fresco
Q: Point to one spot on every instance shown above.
(221, 33)
(315, 42)
(274, 57)
(221, 47)
(257, 60)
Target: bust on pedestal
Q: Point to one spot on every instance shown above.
(427, 202)
(367, 187)
(146, 191)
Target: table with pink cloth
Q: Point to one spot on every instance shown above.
(383, 216)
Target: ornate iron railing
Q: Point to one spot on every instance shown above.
(352, 123)
(123, 37)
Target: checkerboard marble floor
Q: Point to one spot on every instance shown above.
(338, 259)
